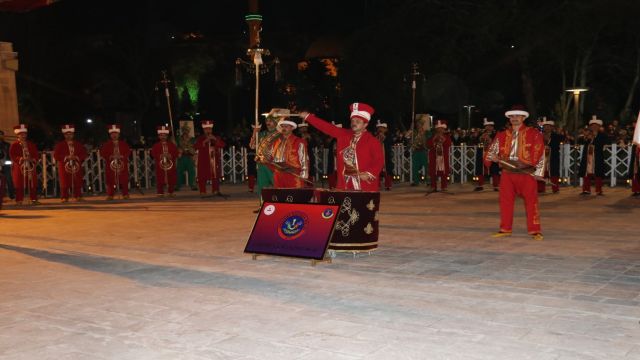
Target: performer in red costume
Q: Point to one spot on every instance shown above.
(387, 153)
(165, 156)
(24, 157)
(359, 154)
(520, 153)
(69, 155)
(209, 147)
(634, 170)
(439, 145)
(290, 162)
(116, 153)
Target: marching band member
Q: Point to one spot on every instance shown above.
(359, 153)
(439, 145)
(290, 159)
(5, 166)
(387, 151)
(634, 170)
(260, 142)
(24, 157)
(209, 147)
(116, 154)
(419, 139)
(310, 142)
(69, 155)
(520, 152)
(484, 141)
(332, 167)
(185, 163)
(165, 155)
(592, 161)
(552, 142)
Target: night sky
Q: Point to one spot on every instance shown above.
(102, 59)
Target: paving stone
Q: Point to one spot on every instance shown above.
(149, 279)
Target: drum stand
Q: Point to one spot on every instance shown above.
(334, 253)
(326, 259)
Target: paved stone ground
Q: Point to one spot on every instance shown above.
(153, 279)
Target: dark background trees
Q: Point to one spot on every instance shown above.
(98, 59)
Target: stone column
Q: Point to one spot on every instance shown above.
(8, 94)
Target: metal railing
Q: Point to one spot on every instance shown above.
(234, 162)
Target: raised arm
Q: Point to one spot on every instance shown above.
(324, 126)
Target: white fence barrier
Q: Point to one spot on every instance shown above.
(234, 163)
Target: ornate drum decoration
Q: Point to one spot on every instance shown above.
(357, 224)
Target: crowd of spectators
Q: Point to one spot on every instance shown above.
(239, 137)
(618, 134)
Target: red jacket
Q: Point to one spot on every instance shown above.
(368, 153)
(106, 151)
(156, 152)
(530, 149)
(446, 146)
(61, 151)
(204, 163)
(15, 152)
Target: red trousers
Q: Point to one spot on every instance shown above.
(523, 185)
(251, 182)
(3, 184)
(168, 178)
(202, 184)
(333, 180)
(555, 183)
(70, 183)
(388, 180)
(19, 182)
(443, 180)
(586, 183)
(635, 184)
(112, 184)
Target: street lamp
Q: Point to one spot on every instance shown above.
(469, 107)
(576, 104)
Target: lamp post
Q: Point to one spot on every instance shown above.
(576, 105)
(469, 107)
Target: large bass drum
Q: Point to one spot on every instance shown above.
(356, 227)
